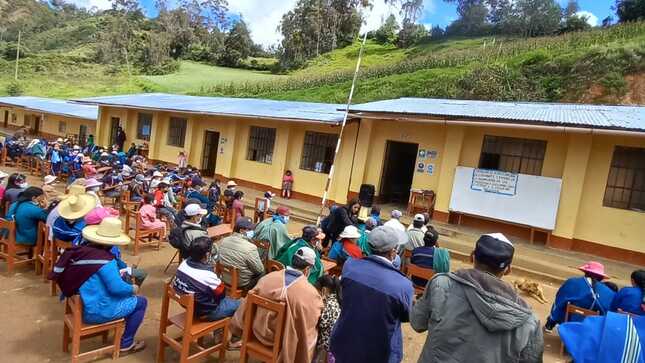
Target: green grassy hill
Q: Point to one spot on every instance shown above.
(560, 68)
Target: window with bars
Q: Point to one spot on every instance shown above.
(144, 125)
(626, 180)
(177, 131)
(318, 151)
(521, 156)
(62, 127)
(261, 141)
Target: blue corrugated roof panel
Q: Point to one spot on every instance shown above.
(53, 106)
(303, 111)
(556, 114)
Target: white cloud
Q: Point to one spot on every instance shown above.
(591, 18)
(88, 4)
(262, 17)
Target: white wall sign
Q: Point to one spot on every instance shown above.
(533, 202)
(494, 181)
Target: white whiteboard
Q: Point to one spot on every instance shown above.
(534, 201)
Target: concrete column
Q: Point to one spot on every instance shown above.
(573, 178)
(158, 121)
(450, 160)
(280, 152)
(225, 162)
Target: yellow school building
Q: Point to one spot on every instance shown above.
(572, 174)
(50, 118)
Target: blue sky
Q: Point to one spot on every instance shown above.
(264, 16)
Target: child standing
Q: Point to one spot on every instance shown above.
(287, 184)
(182, 160)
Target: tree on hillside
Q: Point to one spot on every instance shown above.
(411, 34)
(314, 27)
(571, 9)
(575, 23)
(209, 13)
(472, 20)
(630, 10)
(540, 17)
(437, 33)
(237, 45)
(387, 33)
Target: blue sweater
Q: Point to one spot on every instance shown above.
(376, 299)
(27, 216)
(628, 299)
(578, 292)
(106, 296)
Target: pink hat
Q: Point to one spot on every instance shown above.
(92, 182)
(595, 268)
(96, 215)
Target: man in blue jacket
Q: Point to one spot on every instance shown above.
(376, 298)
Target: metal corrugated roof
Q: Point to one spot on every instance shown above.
(302, 111)
(53, 106)
(556, 114)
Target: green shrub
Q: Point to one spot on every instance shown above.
(14, 88)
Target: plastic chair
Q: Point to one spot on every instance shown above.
(232, 288)
(14, 254)
(413, 270)
(74, 330)
(251, 346)
(192, 330)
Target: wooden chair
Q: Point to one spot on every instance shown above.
(176, 257)
(421, 201)
(575, 310)
(42, 252)
(192, 330)
(107, 200)
(126, 203)
(405, 260)
(56, 246)
(263, 250)
(251, 346)
(232, 288)
(145, 237)
(74, 330)
(14, 254)
(273, 265)
(336, 270)
(413, 270)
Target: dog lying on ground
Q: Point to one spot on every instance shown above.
(531, 288)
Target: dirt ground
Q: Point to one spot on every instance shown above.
(31, 319)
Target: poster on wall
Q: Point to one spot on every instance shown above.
(494, 181)
(422, 154)
(430, 169)
(432, 154)
(421, 167)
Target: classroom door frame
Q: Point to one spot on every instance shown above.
(391, 161)
(209, 152)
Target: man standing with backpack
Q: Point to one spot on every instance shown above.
(191, 228)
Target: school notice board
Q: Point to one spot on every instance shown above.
(517, 198)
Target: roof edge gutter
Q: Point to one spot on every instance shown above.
(155, 109)
(562, 129)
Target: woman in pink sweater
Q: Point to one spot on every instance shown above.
(148, 214)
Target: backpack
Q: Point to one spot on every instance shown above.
(177, 237)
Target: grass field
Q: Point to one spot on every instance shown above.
(193, 76)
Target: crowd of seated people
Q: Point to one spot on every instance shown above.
(351, 314)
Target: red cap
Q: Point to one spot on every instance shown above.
(283, 211)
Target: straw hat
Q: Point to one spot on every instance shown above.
(76, 206)
(48, 179)
(108, 232)
(350, 232)
(231, 183)
(3, 175)
(86, 159)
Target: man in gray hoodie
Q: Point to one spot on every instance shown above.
(473, 316)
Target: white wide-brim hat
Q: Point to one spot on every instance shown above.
(108, 232)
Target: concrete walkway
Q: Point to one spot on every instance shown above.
(531, 260)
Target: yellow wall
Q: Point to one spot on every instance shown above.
(49, 122)
(582, 161)
(610, 226)
(429, 137)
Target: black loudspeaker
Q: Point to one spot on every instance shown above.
(366, 195)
